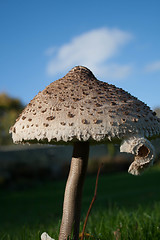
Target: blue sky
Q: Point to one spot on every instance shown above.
(119, 40)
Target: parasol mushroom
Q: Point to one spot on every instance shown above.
(80, 109)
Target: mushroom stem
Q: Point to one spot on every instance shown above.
(73, 192)
(143, 151)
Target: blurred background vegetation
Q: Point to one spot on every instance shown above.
(10, 108)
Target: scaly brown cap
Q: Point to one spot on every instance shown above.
(80, 107)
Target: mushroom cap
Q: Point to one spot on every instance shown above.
(80, 107)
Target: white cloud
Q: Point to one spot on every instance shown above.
(50, 51)
(153, 67)
(92, 49)
(114, 71)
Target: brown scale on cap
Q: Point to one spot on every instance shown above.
(80, 96)
(50, 118)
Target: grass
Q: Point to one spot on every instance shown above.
(126, 207)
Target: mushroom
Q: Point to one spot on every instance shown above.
(80, 109)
